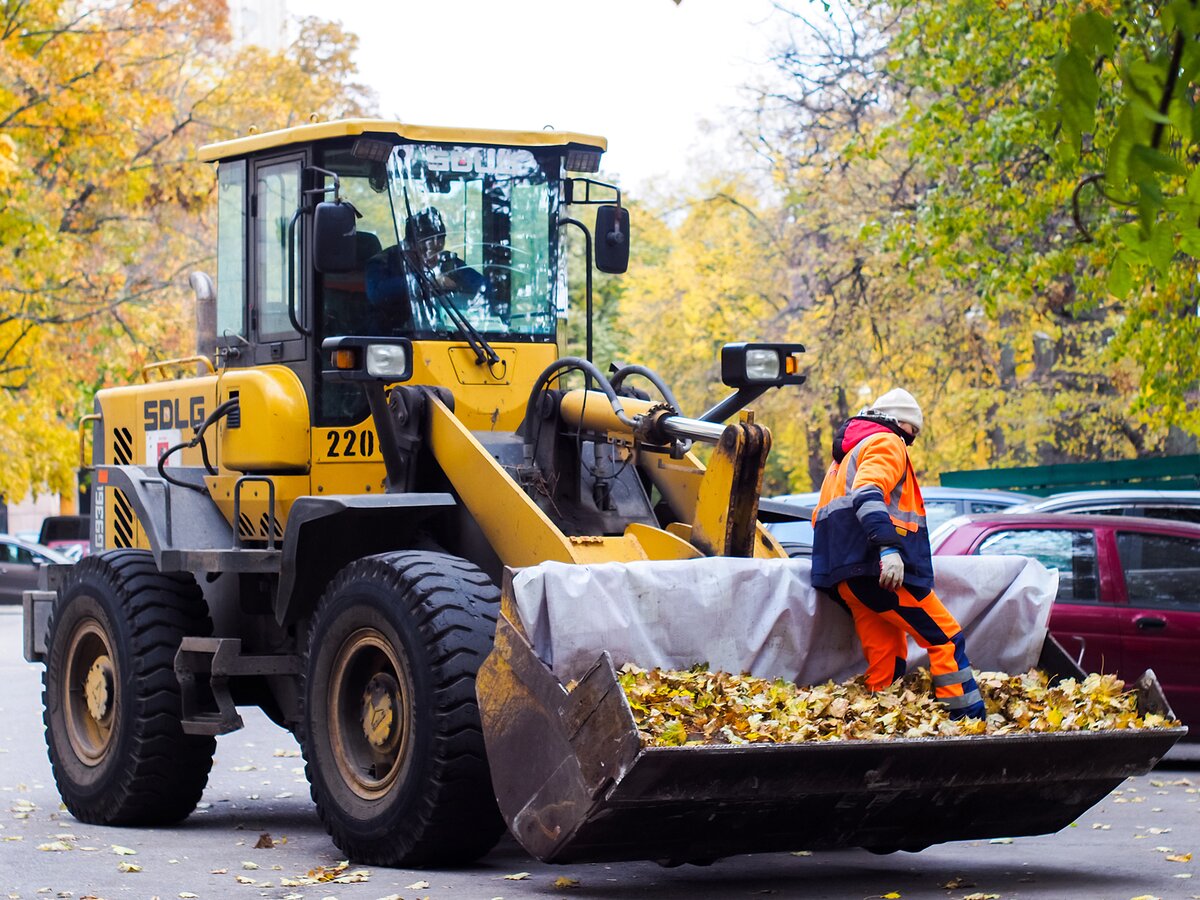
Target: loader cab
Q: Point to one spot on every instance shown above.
(457, 241)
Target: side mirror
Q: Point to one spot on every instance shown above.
(334, 244)
(612, 239)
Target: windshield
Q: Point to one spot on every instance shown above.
(453, 239)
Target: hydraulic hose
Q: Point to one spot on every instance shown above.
(568, 363)
(220, 412)
(651, 376)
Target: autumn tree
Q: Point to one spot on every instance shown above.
(103, 209)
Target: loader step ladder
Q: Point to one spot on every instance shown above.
(204, 667)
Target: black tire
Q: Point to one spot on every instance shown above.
(110, 696)
(397, 639)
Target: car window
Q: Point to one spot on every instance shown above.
(1071, 552)
(938, 512)
(22, 556)
(1173, 513)
(987, 506)
(1161, 571)
(8, 553)
(792, 532)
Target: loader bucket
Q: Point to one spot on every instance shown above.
(575, 784)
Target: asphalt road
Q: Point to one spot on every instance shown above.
(1119, 850)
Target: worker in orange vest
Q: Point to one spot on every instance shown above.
(871, 553)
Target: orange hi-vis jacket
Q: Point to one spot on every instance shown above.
(870, 500)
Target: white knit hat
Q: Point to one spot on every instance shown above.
(901, 406)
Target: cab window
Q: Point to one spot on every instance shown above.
(277, 196)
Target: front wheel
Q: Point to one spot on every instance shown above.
(392, 740)
(111, 699)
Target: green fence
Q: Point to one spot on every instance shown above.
(1168, 472)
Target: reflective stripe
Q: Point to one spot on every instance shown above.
(872, 506)
(892, 508)
(958, 677)
(968, 699)
(833, 506)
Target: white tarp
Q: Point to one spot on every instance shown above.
(763, 616)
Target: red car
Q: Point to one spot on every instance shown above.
(1128, 590)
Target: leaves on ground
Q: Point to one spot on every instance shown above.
(516, 876)
(674, 708)
(562, 883)
(417, 886)
(56, 846)
(128, 867)
(336, 874)
(123, 851)
(1180, 858)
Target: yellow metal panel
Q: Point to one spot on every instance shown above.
(660, 544)
(274, 432)
(519, 532)
(625, 548)
(468, 370)
(492, 404)
(425, 133)
(255, 502)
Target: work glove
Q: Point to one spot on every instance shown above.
(891, 570)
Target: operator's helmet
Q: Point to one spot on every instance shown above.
(424, 225)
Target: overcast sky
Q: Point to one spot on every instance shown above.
(642, 73)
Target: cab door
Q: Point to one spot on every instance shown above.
(279, 288)
(1160, 614)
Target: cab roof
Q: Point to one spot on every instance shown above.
(436, 134)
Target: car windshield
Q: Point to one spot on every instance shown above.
(452, 238)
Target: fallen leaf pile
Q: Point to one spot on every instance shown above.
(336, 874)
(674, 708)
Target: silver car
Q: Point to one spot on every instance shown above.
(19, 563)
(1178, 506)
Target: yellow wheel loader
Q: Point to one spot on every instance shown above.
(319, 518)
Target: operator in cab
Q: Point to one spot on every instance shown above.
(871, 554)
(411, 276)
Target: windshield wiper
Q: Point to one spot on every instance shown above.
(483, 350)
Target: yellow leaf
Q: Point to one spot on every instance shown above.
(128, 867)
(563, 882)
(123, 851)
(55, 847)
(891, 895)
(1180, 858)
(417, 886)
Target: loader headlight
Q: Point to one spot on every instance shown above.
(761, 364)
(368, 359)
(387, 361)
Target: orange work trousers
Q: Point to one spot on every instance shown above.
(884, 619)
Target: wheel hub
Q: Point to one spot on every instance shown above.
(98, 687)
(380, 699)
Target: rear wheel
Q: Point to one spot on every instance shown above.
(392, 740)
(111, 699)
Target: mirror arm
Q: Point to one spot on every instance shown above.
(588, 183)
(738, 400)
(587, 247)
(337, 184)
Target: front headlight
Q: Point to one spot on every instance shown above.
(761, 364)
(355, 358)
(387, 361)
